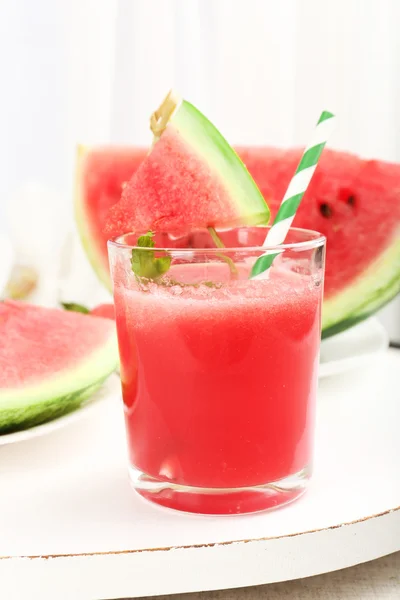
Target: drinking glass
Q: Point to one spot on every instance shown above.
(218, 370)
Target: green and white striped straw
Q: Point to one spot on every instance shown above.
(294, 194)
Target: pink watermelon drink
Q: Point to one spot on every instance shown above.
(218, 371)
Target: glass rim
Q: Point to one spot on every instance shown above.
(316, 239)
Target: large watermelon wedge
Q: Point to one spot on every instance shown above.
(354, 202)
(51, 361)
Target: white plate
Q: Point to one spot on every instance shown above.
(110, 389)
(353, 348)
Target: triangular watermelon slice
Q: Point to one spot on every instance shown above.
(354, 202)
(190, 179)
(51, 362)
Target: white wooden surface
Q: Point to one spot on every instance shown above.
(71, 527)
(376, 580)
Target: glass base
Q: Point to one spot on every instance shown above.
(220, 501)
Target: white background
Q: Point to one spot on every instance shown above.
(92, 70)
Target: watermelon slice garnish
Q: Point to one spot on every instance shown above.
(355, 203)
(52, 361)
(191, 179)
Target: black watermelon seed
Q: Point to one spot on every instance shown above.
(325, 210)
(351, 200)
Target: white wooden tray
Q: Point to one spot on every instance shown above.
(70, 526)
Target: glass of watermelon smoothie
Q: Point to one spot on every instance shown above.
(219, 372)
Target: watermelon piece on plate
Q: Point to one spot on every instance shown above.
(51, 361)
(190, 179)
(107, 311)
(355, 203)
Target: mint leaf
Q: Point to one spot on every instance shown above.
(162, 264)
(73, 306)
(144, 262)
(146, 241)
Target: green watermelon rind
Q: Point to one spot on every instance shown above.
(365, 295)
(210, 145)
(25, 407)
(16, 419)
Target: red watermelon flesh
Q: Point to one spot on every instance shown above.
(29, 351)
(355, 203)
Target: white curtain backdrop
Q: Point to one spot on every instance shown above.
(84, 70)
(262, 70)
